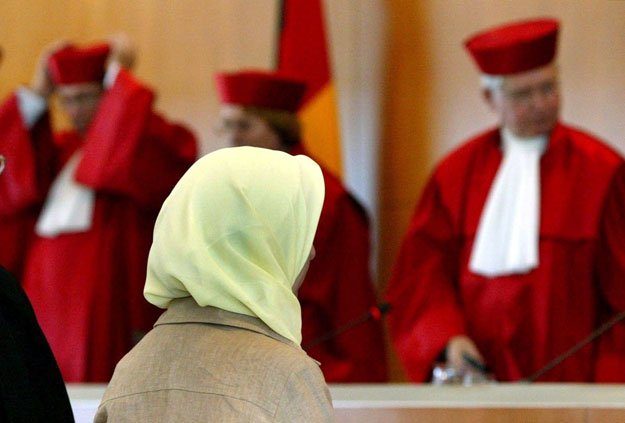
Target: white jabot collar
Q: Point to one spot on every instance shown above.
(506, 241)
(69, 205)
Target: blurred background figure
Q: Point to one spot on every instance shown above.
(259, 109)
(79, 206)
(231, 245)
(518, 231)
(31, 386)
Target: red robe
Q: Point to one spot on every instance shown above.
(87, 287)
(518, 322)
(30, 169)
(338, 290)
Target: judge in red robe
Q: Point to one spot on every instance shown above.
(259, 109)
(82, 204)
(516, 250)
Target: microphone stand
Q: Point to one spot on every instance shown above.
(559, 359)
(375, 312)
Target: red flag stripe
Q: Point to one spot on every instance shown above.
(303, 48)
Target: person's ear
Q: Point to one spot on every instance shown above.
(487, 95)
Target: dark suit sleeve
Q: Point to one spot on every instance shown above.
(31, 386)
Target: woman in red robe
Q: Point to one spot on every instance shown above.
(259, 109)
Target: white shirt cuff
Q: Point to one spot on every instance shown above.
(31, 106)
(111, 74)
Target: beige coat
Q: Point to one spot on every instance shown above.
(203, 364)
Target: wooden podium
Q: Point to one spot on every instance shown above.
(408, 403)
(570, 403)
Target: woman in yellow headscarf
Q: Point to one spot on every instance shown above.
(230, 245)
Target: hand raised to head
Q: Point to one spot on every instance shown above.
(41, 82)
(123, 50)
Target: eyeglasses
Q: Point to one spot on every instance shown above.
(80, 99)
(524, 96)
(233, 125)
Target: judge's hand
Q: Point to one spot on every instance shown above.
(459, 346)
(41, 82)
(123, 51)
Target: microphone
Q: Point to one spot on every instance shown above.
(376, 312)
(559, 359)
(475, 363)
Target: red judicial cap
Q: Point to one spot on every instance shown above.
(73, 65)
(261, 89)
(514, 47)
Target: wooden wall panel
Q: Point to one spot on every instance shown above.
(468, 415)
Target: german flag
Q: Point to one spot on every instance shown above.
(303, 51)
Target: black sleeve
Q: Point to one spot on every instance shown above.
(31, 386)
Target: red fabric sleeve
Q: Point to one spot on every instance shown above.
(130, 150)
(610, 363)
(421, 290)
(31, 160)
(31, 165)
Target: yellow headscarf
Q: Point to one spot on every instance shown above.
(235, 232)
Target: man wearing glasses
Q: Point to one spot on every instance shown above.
(78, 206)
(516, 251)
